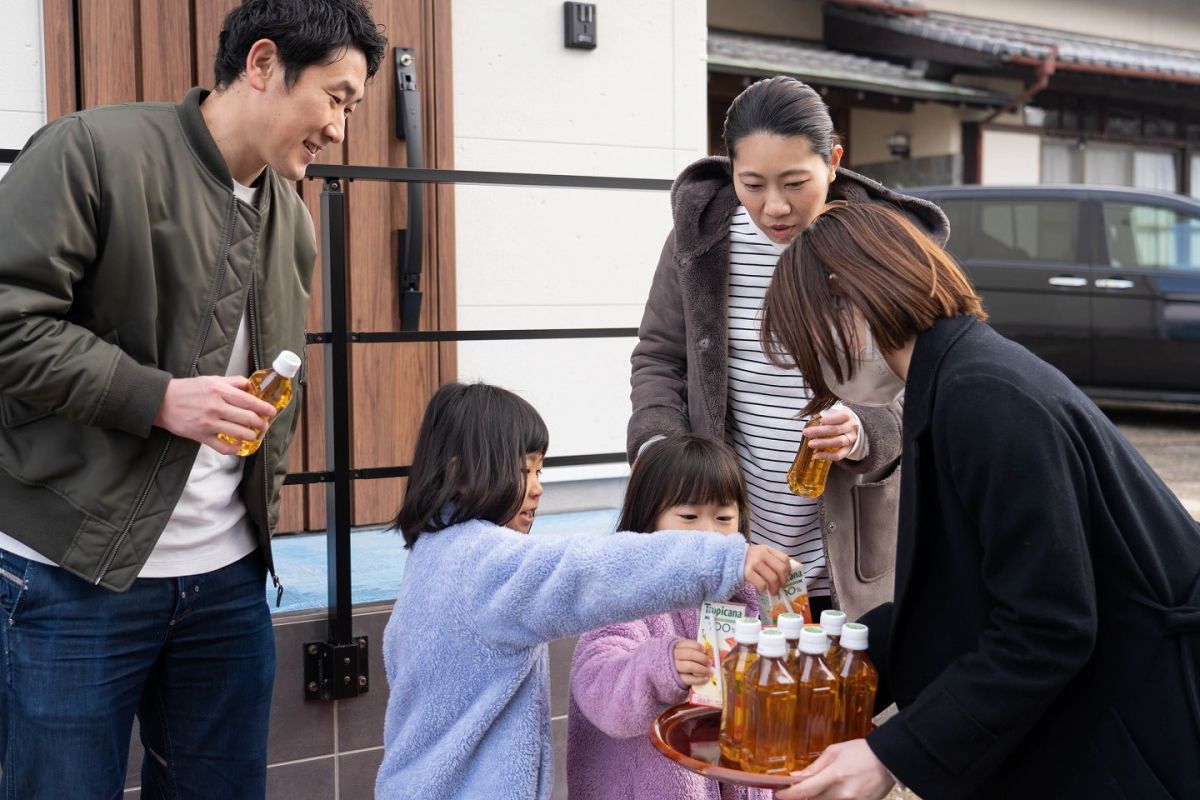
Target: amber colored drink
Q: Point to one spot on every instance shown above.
(733, 678)
(770, 709)
(273, 386)
(807, 476)
(816, 698)
(832, 621)
(858, 682)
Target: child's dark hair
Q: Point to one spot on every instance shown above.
(680, 469)
(306, 32)
(469, 461)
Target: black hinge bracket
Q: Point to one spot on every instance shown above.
(335, 671)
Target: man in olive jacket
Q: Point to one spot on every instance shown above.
(153, 256)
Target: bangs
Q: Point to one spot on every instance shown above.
(683, 469)
(532, 430)
(702, 480)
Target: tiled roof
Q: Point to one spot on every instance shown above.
(761, 55)
(1007, 40)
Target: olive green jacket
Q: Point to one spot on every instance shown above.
(125, 261)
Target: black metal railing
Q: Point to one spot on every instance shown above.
(337, 667)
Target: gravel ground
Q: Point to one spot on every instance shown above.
(1169, 439)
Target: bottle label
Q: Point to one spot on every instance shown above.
(715, 635)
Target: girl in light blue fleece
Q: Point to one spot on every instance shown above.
(465, 650)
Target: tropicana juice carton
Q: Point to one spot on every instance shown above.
(715, 635)
(792, 598)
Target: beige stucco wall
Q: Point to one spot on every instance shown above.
(796, 19)
(1011, 158)
(933, 129)
(1173, 23)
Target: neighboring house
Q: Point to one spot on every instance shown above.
(969, 91)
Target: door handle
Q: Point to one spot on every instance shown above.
(411, 236)
(1064, 280)
(1113, 283)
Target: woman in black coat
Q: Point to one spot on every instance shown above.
(1044, 638)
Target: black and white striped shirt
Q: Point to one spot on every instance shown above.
(762, 402)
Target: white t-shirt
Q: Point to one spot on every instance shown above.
(209, 527)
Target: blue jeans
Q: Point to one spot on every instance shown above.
(193, 658)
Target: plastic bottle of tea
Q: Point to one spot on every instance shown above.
(858, 682)
(790, 625)
(733, 675)
(816, 697)
(832, 621)
(807, 476)
(274, 386)
(770, 709)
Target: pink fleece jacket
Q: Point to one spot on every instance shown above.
(622, 677)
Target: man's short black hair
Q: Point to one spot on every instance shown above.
(306, 32)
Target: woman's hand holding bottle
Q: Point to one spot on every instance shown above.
(835, 436)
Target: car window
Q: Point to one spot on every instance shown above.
(959, 214)
(1026, 230)
(1152, 237)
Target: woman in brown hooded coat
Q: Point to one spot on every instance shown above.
(698, 365)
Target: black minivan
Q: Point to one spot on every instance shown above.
(1103, 283)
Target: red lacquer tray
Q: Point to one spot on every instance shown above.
(687, 735)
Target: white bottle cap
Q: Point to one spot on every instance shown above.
(813, 640)
(286, 364)
(854, 636)
(746, 630)
(772, 643)
(791, 624)
(832, 621)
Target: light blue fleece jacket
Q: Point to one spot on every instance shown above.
(465, 649)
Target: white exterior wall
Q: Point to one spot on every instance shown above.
(549, 258)
(23, 90)
(1172, 23)
(1011, 158)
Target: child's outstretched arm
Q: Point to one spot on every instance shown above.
(539, 590)
(622, 678)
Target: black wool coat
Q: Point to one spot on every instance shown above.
(1044, 640)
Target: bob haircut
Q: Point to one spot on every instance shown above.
(864, 258)
(469, 462)
(683, 468)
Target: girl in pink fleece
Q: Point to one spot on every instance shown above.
(625, 675)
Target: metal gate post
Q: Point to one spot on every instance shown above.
(336, 668)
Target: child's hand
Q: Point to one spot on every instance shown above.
(693, 664)
(766, 568)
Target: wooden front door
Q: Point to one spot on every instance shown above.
(118, 51)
